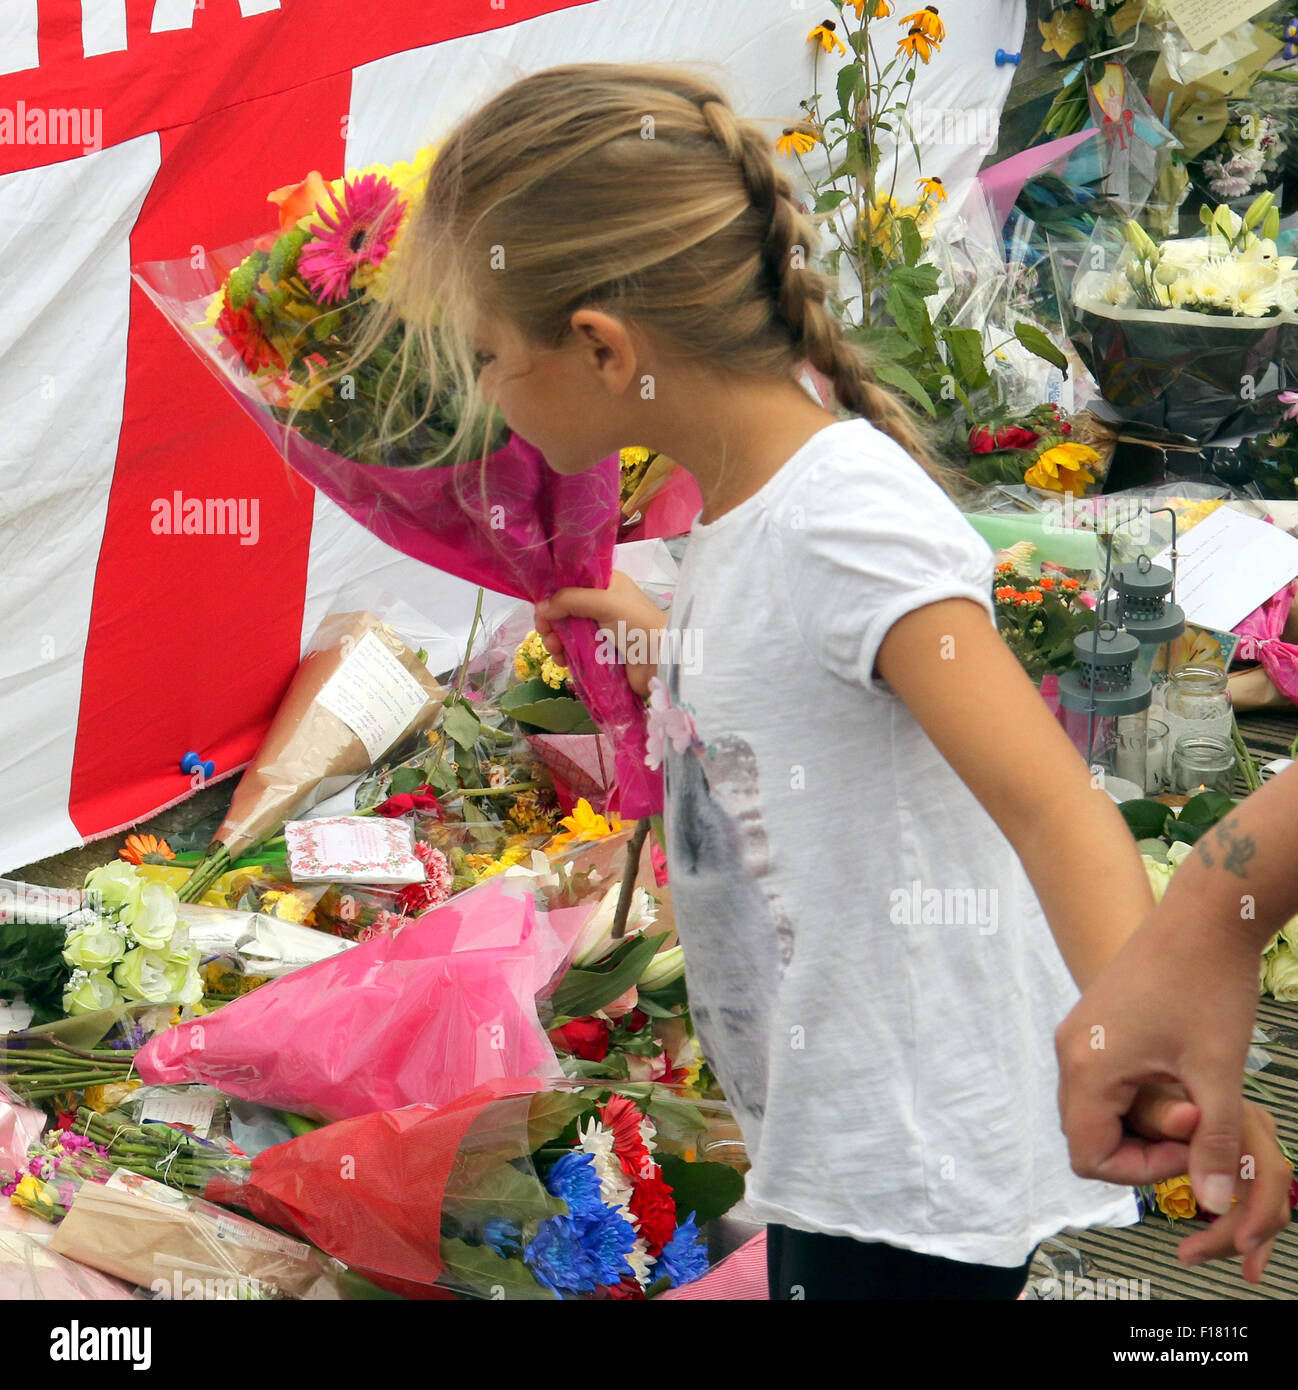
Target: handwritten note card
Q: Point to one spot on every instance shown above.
(1205, 21)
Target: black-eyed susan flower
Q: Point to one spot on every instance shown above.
(796, 140)
(879, 9)
(829, 40)
(917, 44)
(928, 22)
(933, 189)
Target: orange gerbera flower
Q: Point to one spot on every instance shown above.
(928, 22)
(829, 40)
(139, 848)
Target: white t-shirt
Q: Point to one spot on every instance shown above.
(870, 973)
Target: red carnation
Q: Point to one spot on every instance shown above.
(981, 440)
(627, 1289)
(586, 1038)
(654, 1208)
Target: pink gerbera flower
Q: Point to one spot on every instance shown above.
(357, 231)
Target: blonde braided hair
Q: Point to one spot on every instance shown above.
(637, 189)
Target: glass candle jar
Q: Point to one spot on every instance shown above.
(1156, 747)
(1202, 762)
(1196, 702)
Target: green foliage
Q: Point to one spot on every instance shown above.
(582, 992)
(32, 964)
(708, 1190)
(535, 704)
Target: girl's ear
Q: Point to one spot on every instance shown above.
(606, 345)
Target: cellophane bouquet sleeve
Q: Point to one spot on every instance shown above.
(518, 1190)
(270, 329)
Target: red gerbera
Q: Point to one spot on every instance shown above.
(654, 1209)
(241, 330)
(358, 231)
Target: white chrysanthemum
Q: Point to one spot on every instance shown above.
(614, 1186)
(641, 1262)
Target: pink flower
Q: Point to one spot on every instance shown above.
(384, 922)
(668, 723)
(357, 231)
(1289, 399)
(622, 1005)
(418, 898)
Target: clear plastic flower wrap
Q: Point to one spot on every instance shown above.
(519, 1190)
(507, 522)
(1196, 336)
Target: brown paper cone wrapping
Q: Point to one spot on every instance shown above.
(140, 1240)
(308, 752)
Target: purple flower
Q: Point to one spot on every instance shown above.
(9, 1188)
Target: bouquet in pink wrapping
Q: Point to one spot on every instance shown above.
(276, 315)
(423, 1014)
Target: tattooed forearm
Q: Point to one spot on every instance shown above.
(1205, 853)
(1237, 850)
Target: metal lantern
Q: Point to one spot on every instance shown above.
(1104, 703)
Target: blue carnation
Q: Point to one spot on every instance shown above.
(574, 1180)
(685, 1257)
(504, 1236)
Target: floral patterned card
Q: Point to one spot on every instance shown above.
(352, 849)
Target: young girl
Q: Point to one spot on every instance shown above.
(869, 807)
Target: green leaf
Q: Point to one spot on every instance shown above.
(582, 992)
(1206, 809)
(966, 347)
(461, 725)
(850, 86)
(1145, 819)
(708, 1190)
(922, 279)
(556, 714)
(830, 199)
(404, 780)
(477, 1269)
(894, 374)
(503, 1191)
(1037, 343)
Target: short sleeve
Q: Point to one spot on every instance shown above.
(868, 537)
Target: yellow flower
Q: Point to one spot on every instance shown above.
(30, 1193)
(1063, 468)
(829, 40)
(917, 44)
(1175, 1198)
(927, 22)
(495, 866)
(553, 674)
(584, 824)
(933, 189)
(104, 1098)
(634, 456)
(288, 907)
(795, 140)
(1063, 32)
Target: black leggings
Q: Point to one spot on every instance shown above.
(810, 1265)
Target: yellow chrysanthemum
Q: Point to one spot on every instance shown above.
(634, 455)
(829, 40)
(288, 907)
(1063, 468)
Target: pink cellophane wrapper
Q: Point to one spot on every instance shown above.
(580, 766)
(1263, 641)
(510, 524)
(422, 1015)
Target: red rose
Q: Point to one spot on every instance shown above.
(981, 440)
(635, 1020)
(1016, 437)
(586, 1038)
(654, 1208)
(421, 799)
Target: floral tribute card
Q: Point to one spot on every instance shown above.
(352, 849)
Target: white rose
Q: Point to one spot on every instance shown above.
(89, 991)
(94, 948)
(115, 885)
(1282, 974)
(153, 920)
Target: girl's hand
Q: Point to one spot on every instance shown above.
(1261, 1201)
(624, 610)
